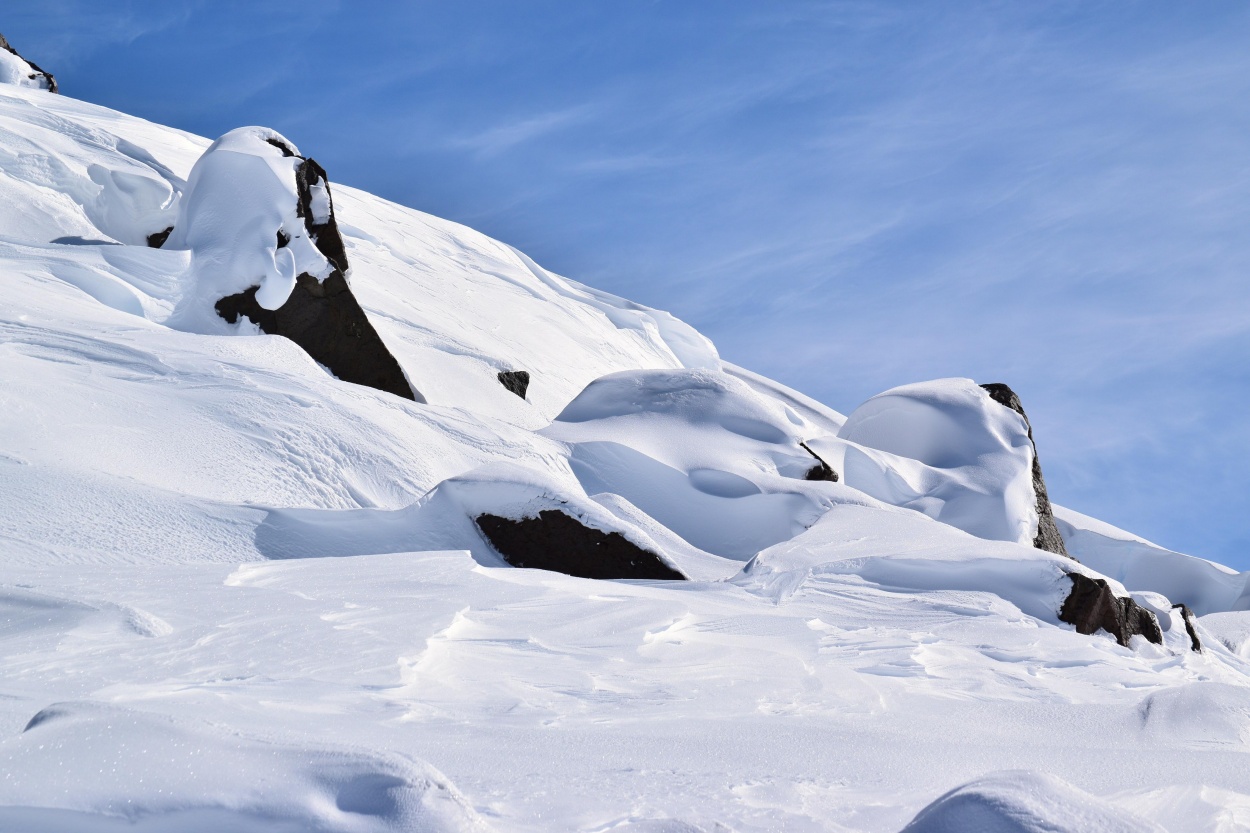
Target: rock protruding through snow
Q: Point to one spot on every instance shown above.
(1047, 537)
(516, 381)
(259, 218)
(14, 69)
(553, 540)
(1092, 606)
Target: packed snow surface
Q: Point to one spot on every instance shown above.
(238, 593)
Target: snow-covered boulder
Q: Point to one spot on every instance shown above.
(259, 219)
(957, 451)
(1024, 802)
(14, 69)
(700, 452)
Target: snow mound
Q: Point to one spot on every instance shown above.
(240, 217)
(699, 451)
(85, 766)
(16, 70)
(1024, 802)
(1205, 586)
(946, 449)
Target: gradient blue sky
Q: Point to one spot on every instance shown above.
(846, 196)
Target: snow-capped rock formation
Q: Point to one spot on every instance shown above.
(950, 449)
(16, 70)
(259, 221)
(1047, 536)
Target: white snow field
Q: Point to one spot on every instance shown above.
(237, 593)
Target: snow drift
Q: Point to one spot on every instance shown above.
(292, 590)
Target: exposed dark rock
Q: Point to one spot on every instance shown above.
(324, 231)
(48, 81)
(555, 541)
(1047, 537)
(1191, 627)
(1092, 606)
(517, 381)
(286, 149)
(158, 238)
(323, 317)
(820, 471)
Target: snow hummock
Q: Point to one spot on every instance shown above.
(1025, 802)
(946, 449)
(238, 593)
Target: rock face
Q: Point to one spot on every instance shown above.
(555, 541)
(820, 471)
(517, 381)
(1191, 627)
(1091, 606)
(1048, 537)
(323, 316)
(14, 69)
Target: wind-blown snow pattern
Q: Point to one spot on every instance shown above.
(239, 593)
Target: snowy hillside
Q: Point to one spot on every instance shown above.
(320, 513)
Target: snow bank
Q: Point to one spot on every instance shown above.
(1205, 586)
(946, 449)
(1024, 802)
(86, 766)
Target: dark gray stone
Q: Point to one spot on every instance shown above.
(157, 238)
(49, 81)
(820, 471)
(517, 381)
(323, 317)
(1091, 606)
(558, 542)
(1191, 627)
(1047, 537)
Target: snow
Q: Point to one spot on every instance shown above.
(1205, 586)
(945, 448)
(238, 593)
(1024, 802)
(17, 71)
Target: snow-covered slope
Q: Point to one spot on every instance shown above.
(239, 593)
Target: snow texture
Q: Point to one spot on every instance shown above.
(239, 593)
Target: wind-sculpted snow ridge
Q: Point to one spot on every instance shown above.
(947, 448)
(240, 593)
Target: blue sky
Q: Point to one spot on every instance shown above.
(845, 196)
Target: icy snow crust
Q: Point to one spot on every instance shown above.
(238, 593)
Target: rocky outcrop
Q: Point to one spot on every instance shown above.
(820, 471)
(1091, 606)
(1191, 627)
(1047, 537)
(555, 541)
(517, 381)
(323, 316)
(28, 73)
